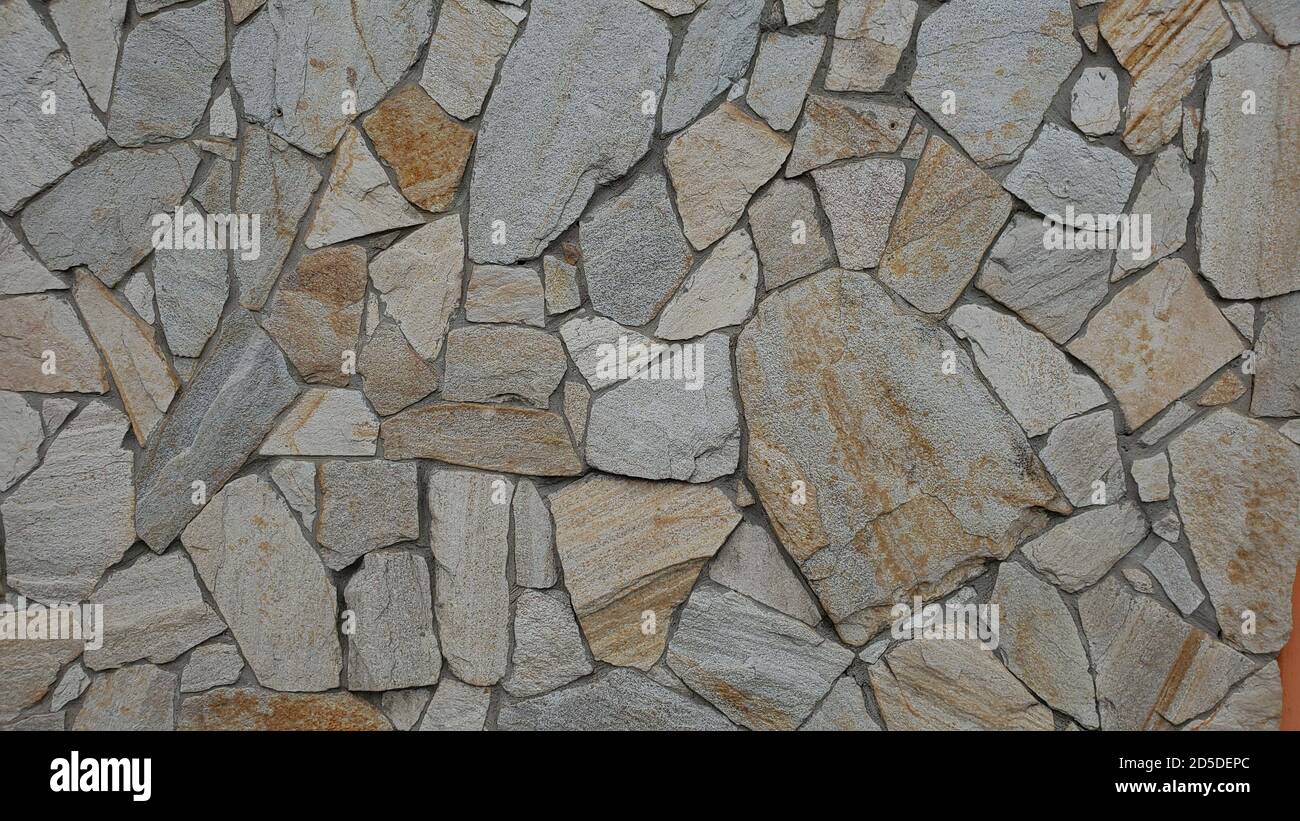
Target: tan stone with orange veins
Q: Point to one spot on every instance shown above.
(427, 148)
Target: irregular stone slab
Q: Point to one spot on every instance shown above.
(54, 412)
(1179, 413)
(241, 9)
(577, 400)
(70, 687)
(782, 74)
(100, 215)
(1156, 340)
(133, 698)
(1277, 358)
(277, 182)
(404, 707)
(560, 275)
(1171, 571)
(788, 232)
(92, 30)
(1192, 117)
(419, 282)
(717, 164)
(796, 11)
(70, 519)
(1237, 482)
(212, 665)
(1278, 19)
(50, 722)
(325, 422)
(860, 199)
(979, 50)
(252, 708)
(358, 198)
(192, 288)
(138, 291)
(715, 52)
(164, 79)
(620, 699)
(1052, 289)
(20, 438)
(394, 645)
(629, 547)
(489, 437)
(834, 129)
(1061, 169)
(534, 538)
(1139, 579)
(683, 428)
(221, 117)
(720, 292)
(1152, 477)
(1151, 666)
(870, 37)
(467, 532)
(1227, 388)
(1255, 705)
(947, 221)
(1082, 454)
(365, 506)
(760, 668)
(471, 38)
(315, 317)
(1094, 101)
(20, 273)
(952, 685)
(843, 709)
(633, 253)
(1079, 551)
(29, 667)
(1031, 376)
(1163, 47)
(393, 374)
(426, 148)
(1168, 527)
(153, 610)
(1167, 194)
(503, 293)
(807, 365)
(296, 479)
(297, 86)
(140, 370)
(499, 363)
(581, 67)
(585, 339)
(750, 563)
(1042, 645)
(250, 551)
(38, 148)
(457, 707)
(548, 650)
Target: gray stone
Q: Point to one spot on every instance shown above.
(534, 538)
(800, 11)
(715, 51)
(489, 437)
(241, 9)
(1278, 18)
(500, 363)
(548, 651)
(750, 563)
(1168, 527)
(70, 687)
(505, 293)
(1171, 571)
(1082, 454)
(1242, 317)
(580, 67)
(788, 232)
(458, 707)
(296, 479)
(20, 273)
(134, 698)
(1140, 580)
(315, 317)
(365, 505)
(860, 199)
(560, 275)
(577, 401)
(325, 422)
(49, 722)
(870, 37)
(617, 700)
(1094, 101)
(54, 412)
(92, 30)
(1255, 705)
(419, 282)
(843, 709)
(471, 38)
(393, 374)
(358, 198)
(138, 291)
(633, 253)
(212, 665)
(221, 117)
(1167, 194)
(28, 667)
(70, 519)
(251, 554)
(192, 286)
(1061, 169)
(1277, 358)
(45, 348)
(1192, 118)
(1177, 414)
(835, 129)
(404, 707)
(720, 292)
(20, 438)
(1291, 430)
(1081, 549)
(592, 341)
(782, 74)
(394, 645)
(1152, 477)
(100, 215)
(164, 77)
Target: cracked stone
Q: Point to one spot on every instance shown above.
(834, 129)
(364, 506)
(1081, 549)
(870, 38)
(394, 645)
(358, 198)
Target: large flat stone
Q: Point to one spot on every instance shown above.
(45, 349)
(715, 51)
(489, 437)
(394, 645)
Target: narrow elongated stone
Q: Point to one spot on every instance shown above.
(715, 51)
(1277, 358)
(21, 436)
(534, 538)
(252, 708)
(516, 440)
(394, 645)
(619, 699)
(470, 39)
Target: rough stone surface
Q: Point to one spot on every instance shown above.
(296, 480)
(495, 363)
(20, 438)
(548, 651)
(471, 38)
(1171, 571)
(252, 708)
(393, 376)
(315, 317)
(835, 129)
(534, 538)
(488, 437)
(19, 272)
(426, 148)
(720, 292)
(782, 73)
(752, 564)
(404, 707)
(1255, 705)
(192, 288)
(505, 293)
(70, 687)
(1167, 194)
(394, 645)
(39, 327)
(92, 31)
(870, 37)
(133, 698)
(325, 422)
(788, 233)
(29, 669)
(1082, 452)
(418, 280)
(1277, 358)
(212, 665)
(860, 199)
(843, 709)
(1062, 170)
(617, 700)
(456, 706)
(358, 198)
(1094, 102)
(1152, 477)
(715, 51)
(1079, 551)
(560, 277)
(364, 506)
(1226, 389)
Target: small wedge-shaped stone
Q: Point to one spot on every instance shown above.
(843, 710)
(534, 538)
(92, 30)
(296, 479)
(1031, 376)
(325, 422)
(1082, 454)
(949, 218)
(218, 421)
(715, 52)
(212, 665)
(1061, 170)
(870, 36)
(21, 436)
(633, 253)
(548, 651)
(29, 667)
(489, 437)
(495, 363)
(716, 165)
(720, 292)
(20, 273)
(418, 279)
(70, 519)
(315, 317)
(426, 148)
(45, 349)
(393, 374)
(834, 129)
(404, 707)
(1277, 358)
(139, 367)
(251, 555)
(630, 546)
(952, 685)
(1150, 665)
(759, 667)
(1237, 482)
(1169, 568)
(860, 199)
(1041, 643)
(70, 687)
(1079, 551)
(619, 699)
(788, 233)
(37, 148)
(358, 198)
(136, 698)
(581, 67)
(471, 38)
(1255, 705)
(1163, 45)
(1156, 340)
(1167, 194)
(164, 80)
(252, 708)
(782, 74)
(467, 533)
(304, 69)
(153, 610)
(365, 506)
(101, 214)
(986, 71)
(560, 273)
(394, 645)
